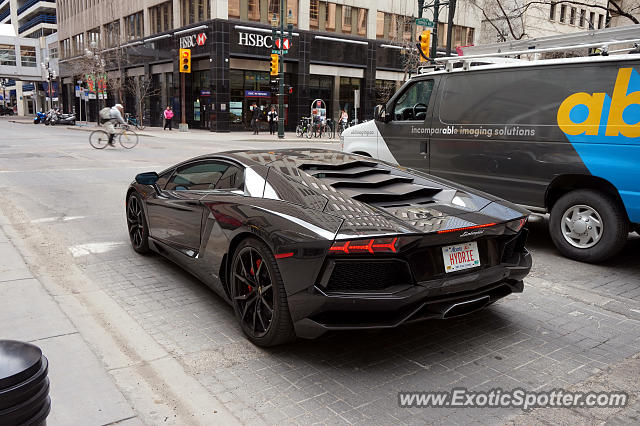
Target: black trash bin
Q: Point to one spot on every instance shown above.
(24, 385)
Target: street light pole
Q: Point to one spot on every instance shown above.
(281, 82)
(50, 75)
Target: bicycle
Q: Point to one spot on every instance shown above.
(303, 128)
(133, 121)
(127, 138)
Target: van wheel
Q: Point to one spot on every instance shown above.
(588, 226)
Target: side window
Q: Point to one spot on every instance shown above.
(200, 176)
(232, 178)
(413, 103)
(164, 178)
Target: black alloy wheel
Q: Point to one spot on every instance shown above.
(258, 295)
(137, 224)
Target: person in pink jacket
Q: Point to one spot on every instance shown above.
(168, 115)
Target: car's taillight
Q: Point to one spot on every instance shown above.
(516, 225)
(369, 245)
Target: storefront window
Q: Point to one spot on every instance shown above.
(348, 86)
(321, 87)
(254, 10)
(7, 55)
(234, 8)
(248, 87)
(362, 22)
(161, 17)
(28, 56)
(346, 19)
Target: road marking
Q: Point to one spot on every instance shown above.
(57, 218)
(94, 248)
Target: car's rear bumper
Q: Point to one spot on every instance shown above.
(315, 312)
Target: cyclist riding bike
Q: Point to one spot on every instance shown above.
(115, 117)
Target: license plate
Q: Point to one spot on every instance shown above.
(461, 256)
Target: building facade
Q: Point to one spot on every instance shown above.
(341, 52)
(25, 81)
(30, 18)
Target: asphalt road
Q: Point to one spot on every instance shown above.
(575, 326)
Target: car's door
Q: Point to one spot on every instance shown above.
(176, 213)
(406, 134)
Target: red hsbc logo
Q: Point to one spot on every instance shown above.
(187, 42)
(286, 43)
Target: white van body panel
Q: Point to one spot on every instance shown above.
(365, 138)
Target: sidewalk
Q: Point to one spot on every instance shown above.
(82, 392)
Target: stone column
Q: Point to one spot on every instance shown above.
(303, 14)
(19, 98)
(177, 15)
(220, 75)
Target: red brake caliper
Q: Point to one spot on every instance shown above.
(253, 273)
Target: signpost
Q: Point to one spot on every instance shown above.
(424, 22)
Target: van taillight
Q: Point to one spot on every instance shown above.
(370, 245)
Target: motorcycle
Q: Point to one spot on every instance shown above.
(56, 117)
(39, 118)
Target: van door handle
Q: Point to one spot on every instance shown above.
(424, 148)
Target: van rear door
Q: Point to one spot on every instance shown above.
(406, 133)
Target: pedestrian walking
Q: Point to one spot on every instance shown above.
(272, 118)
(255, 117)
(168, 116)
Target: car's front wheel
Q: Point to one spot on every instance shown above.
(258, 295)
(137, 224)
(588, 226)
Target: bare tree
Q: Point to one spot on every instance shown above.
(140, 88)
(507, 17)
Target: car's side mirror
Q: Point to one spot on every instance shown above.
(380, 113)
(147, 178)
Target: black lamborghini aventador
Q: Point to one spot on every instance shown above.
(305, 241)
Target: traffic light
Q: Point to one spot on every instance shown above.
(185, 60)
(425, 41)
(274, 64)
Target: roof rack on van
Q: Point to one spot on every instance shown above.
(626, 34)
(601, 39)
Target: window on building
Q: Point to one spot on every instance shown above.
(273, 9)
(346, 19)
(78, 44)
(53, 51)
(314, 9)
(583, 15)
(93, 36)
(330, 17)
(28, 56)
(600, 21)
(234, 8)
(194, 11)
(380, 25)
(7, 55)
(112, 34)
(253, 8)
(470, 36)
(572, 16)
(592, 17)
(66, 48)
(161, 17)
(552, 11)
(563, 13)
(362, 22)
(292, 5)
(133, 26)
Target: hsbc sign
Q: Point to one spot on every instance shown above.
(187, 42)
(255, 40)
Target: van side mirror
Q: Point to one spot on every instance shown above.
(380, 113)
(147, 178)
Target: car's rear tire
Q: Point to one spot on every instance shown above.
(588, 226)
(137, 226)
(258, 295)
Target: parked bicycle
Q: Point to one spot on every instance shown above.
(127, 138)
(304, 128)
(133, 121)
